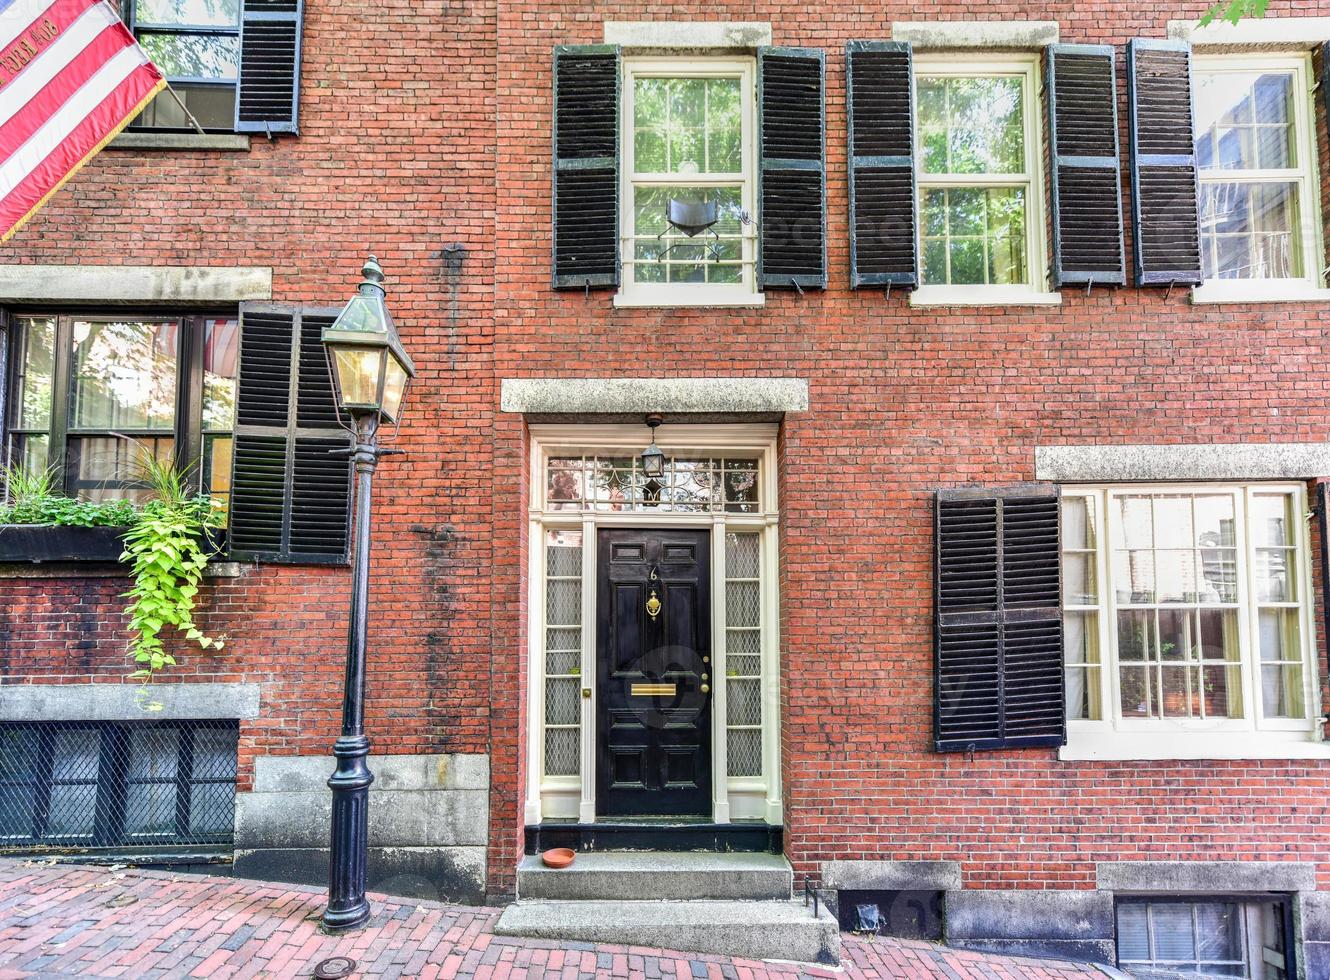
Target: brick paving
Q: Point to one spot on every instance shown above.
(67, 920)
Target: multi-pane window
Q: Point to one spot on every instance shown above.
(688, 139)
(196, 44)
(93, 394)
(743, 652)
(1186, 607)
(1204, 937)
(978, 174)
(617, 483)
(1256, 165)
(86, 784)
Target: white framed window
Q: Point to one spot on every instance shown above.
(1164, 936)
(1256, 165)
(981, 199)
(688, 135)
(1187, 622)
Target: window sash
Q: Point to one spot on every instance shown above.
(1307, 231)
(187, 427)
(1100, 504)
(1030, 180)
(743, 69)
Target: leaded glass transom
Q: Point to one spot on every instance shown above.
(690, 484)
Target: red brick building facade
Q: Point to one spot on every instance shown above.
(425, 135)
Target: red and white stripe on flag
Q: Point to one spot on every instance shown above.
(71, 77)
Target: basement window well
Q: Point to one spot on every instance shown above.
(1195, 937)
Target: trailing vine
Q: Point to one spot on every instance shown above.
(167, 547)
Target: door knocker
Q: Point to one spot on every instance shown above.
(653, 606)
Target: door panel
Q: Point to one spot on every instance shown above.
(653, 673)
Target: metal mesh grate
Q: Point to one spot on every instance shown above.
(133, 784)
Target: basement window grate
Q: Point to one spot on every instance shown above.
(97, 785)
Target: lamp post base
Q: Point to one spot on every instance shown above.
(347, 906)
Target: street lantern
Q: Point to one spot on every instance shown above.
(370, 368)
(653, 459)
(370, 372)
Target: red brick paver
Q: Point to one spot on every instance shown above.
(61, 920)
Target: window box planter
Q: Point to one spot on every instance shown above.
(36, 543)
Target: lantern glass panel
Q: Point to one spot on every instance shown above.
(394, 388)
(357, 370)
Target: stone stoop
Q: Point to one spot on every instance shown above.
(728, 904)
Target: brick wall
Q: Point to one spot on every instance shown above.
(424, 124)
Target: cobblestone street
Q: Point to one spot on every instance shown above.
(65, 920)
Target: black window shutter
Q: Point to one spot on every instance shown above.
(1165, 223)
(268, 97)
(998, 642)
(291, 477)
(1082, 92)
(880, 104)
(586, 166)
(792, 189)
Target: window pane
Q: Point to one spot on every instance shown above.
(109, 468)
(153, 753)
(1248, 231)
(33, 452)
(124, 375)
(150, 808)
(1081, 654)
(1133, 933)
(37, 367)
(687, 125)
(1271, 519)
(213, 105)
(974, 235)
(972, 125)
(197, 13)
(217, 469)
(1274, 583)
(1244, 120)
(221, 343)
(1174, 931)
(193, 55)
(212, 807)
(665, 254)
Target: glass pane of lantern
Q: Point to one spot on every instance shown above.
(394, 388)
(357, 374)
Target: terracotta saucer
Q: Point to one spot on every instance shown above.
(558, 857)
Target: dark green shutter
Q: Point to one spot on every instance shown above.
(268, 97)
(1165, 222)
(291, 476)
(998, 642)
(792, 213)
(586, 166)
(880, 105)
(1081, 87)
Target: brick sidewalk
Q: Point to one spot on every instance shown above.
(62, 920)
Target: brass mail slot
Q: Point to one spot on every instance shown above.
(652, 690)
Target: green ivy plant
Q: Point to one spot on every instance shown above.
(166, 548)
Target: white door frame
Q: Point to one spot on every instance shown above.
(575, 796)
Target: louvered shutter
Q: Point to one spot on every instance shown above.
(998, 644)
(792, 214)
(291, 477)
(268, 97)
(1082, 93)
(880, 104)
(1165, 222)
(586, 166)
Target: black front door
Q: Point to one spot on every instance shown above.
(653, 709)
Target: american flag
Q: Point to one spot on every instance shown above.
(71, 77)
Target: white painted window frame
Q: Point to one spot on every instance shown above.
(1250, 737)
(632, 293)
(1025, 66)
(1310, 286)
(567, 797)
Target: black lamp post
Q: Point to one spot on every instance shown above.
(370, 371)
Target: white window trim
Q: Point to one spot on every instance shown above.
(1026, 66)
(1251, 737)
(1309, 287)
(633, 294)
(739, 797)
